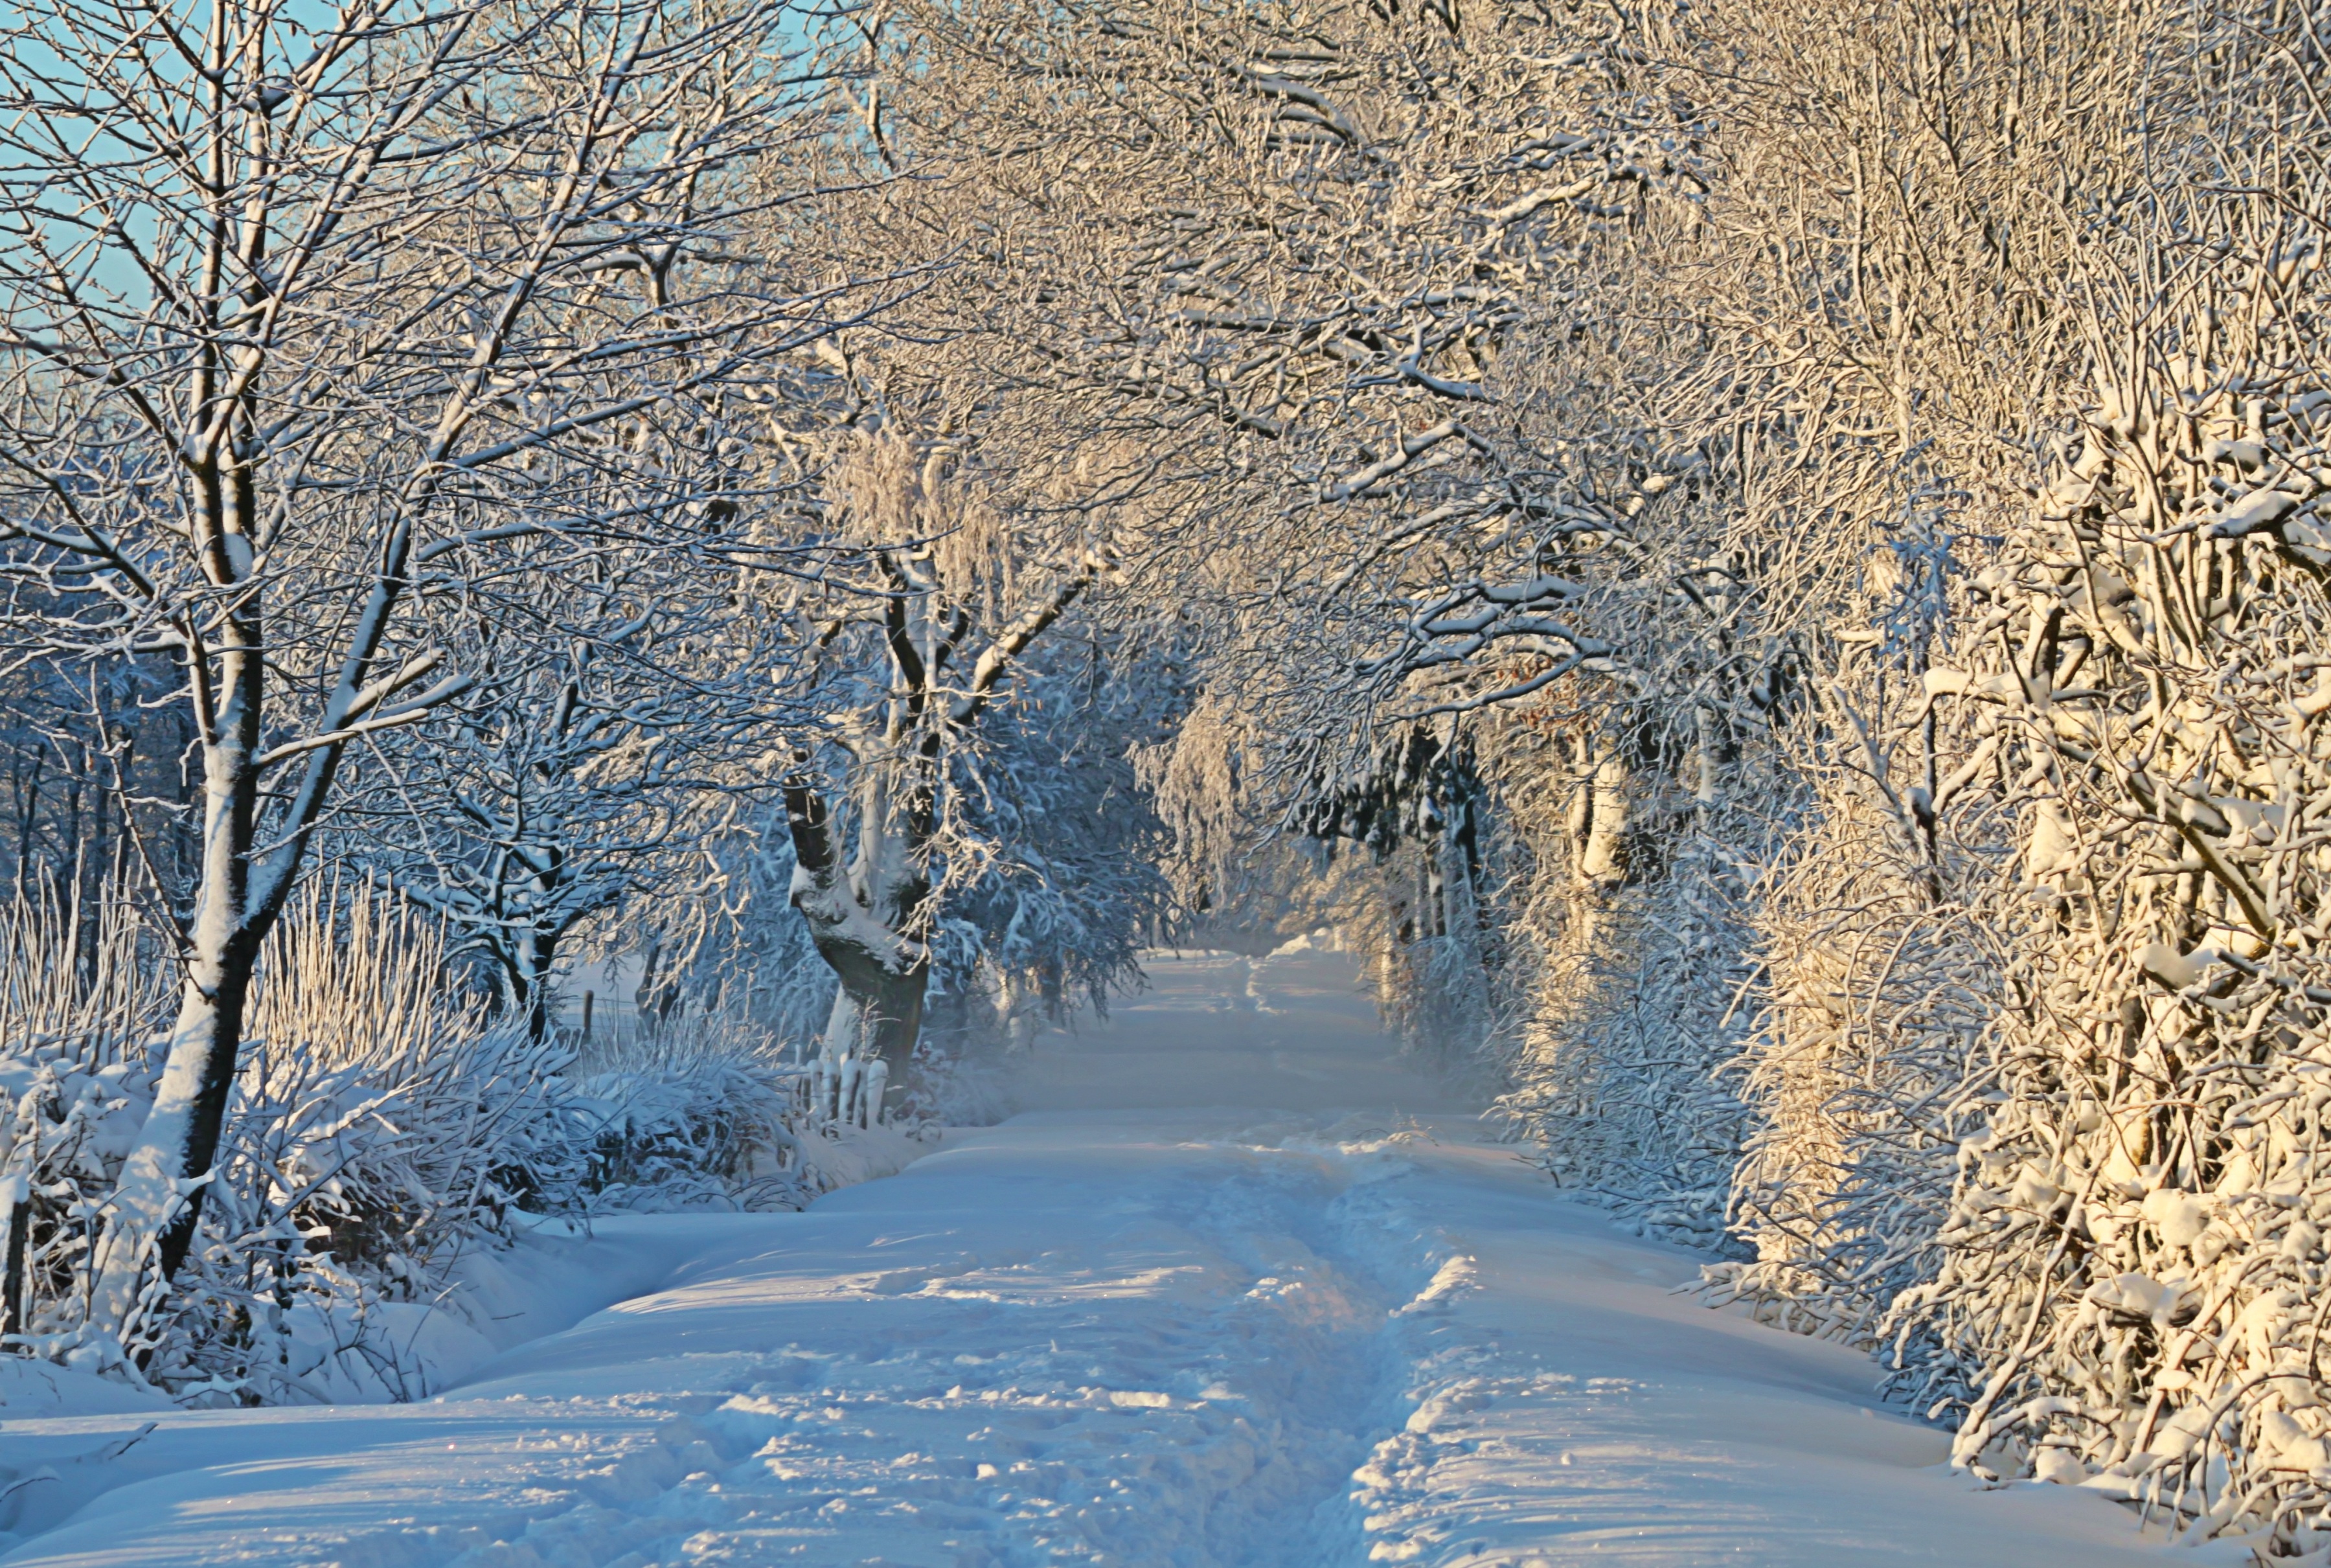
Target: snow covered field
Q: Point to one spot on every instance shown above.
(1327, 1326)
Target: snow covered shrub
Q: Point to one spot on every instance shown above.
(2134, 1252)
(1620, 1080)
(382, 1126)
(2047, 1041)
(79, 994)
(695, 1114)
(1627, 939)
(1882, 972)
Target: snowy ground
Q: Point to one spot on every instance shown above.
(1236, 1289)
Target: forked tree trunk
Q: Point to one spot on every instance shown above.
(868, 917)
(861, 918)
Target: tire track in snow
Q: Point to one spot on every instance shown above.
(1192, 1403)
(1099, 1349)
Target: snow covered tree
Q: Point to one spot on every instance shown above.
(626, 704)
(914, 662)
(1364, 245)
(288, 298)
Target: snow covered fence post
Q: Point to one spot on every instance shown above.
(16, 1201)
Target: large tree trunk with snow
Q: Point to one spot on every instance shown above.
(871, 916)
(879, 1014)
(863, 917)
(158, 1199)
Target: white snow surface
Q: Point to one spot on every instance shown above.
(1236, 1287)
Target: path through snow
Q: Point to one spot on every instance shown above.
(1130, 1326)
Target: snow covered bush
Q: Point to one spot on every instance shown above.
(2132, 1256)
(383, 1127)
(358, 1143)
(1619, 1081)
(1865, 1067)
(79, 993)
(698, 1113)
(2034, 1083)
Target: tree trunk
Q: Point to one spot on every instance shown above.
(1021, 1004)
(541, 958)
(858, 917)
(149, 1223)
(149, 1220)
(1601, 852)
(879, 1012)
(1598, 847)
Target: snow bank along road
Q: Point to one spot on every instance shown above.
(1327, 1326)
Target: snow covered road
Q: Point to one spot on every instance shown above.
(1129, 1326)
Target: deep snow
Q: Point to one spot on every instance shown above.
(1236, 1289)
